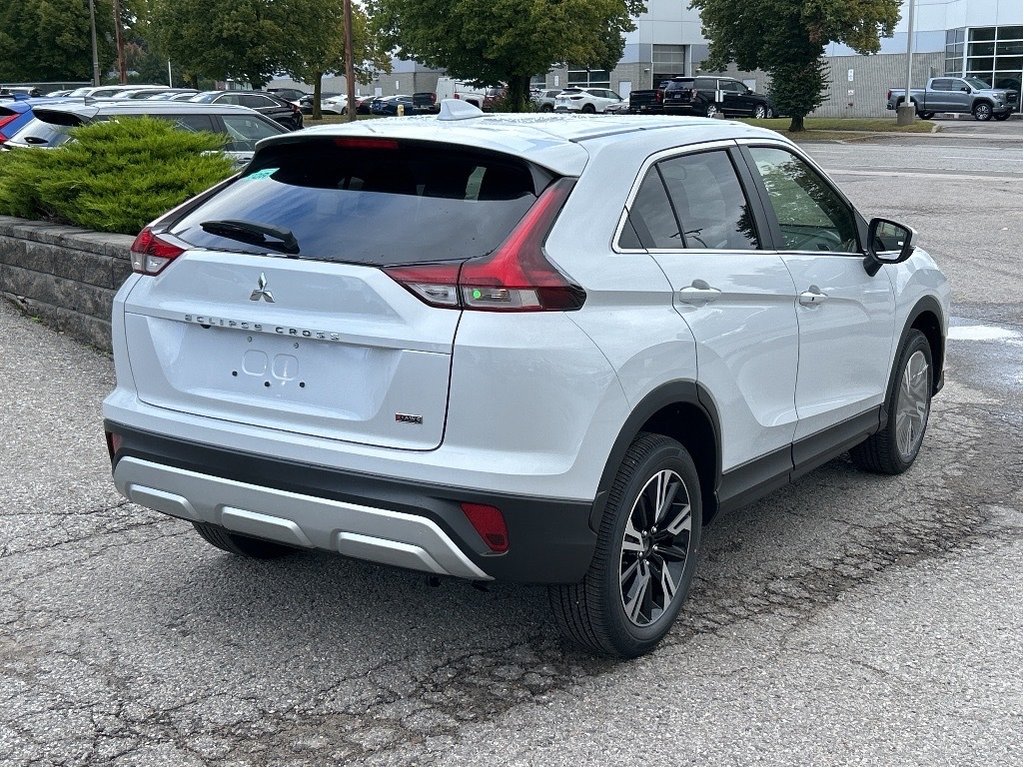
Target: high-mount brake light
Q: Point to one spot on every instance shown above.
(515, 277)
(150, 253)
(365, 142)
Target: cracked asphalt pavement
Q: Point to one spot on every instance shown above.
(846, 619)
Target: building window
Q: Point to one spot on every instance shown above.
(955, 52)
(995, 55)
(589, 78)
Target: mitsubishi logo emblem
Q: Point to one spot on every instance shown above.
(261, 291)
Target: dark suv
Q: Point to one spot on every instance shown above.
(276, 108)
(708, 95)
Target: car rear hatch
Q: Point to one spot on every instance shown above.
(679, 92)
(278, 313)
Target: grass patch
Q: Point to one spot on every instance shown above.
(829, 125)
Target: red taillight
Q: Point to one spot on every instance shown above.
(150, 253)
(489, 523)
(659, 96)
(888, 94)
(516, 277)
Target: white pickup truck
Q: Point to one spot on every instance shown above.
(958, 94)
(480, 97)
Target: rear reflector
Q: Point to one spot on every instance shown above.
(489, 523)
(151, 253)
(114, 441)
(515, 277)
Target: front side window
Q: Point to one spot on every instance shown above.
(811, 214)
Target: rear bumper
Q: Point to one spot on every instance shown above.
(408, 524)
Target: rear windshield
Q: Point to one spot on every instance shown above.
(37, 132)
(373, 201)
(675, 85)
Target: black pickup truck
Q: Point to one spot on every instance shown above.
(647, 101)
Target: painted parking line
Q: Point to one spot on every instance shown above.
(982, 333)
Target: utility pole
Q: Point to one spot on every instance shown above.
(95, 55)
(350, 81)
(905, 111)
(122, 70)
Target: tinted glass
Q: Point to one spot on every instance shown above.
(401, 203)
(254, 101)
(188, 122)
(709, 202)
(245, 130)
(811, 214)
(680, 85)
(36, 132)
(942, 85)
(651, 216)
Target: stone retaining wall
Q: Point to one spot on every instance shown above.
(63, 275)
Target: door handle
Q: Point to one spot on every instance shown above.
(698, 293)
(813, 297)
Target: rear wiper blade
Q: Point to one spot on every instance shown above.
(256, 234)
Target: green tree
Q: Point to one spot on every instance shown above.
(506, 41)
(49, 40)
(320, 48)
(246, 40)
(787, 39)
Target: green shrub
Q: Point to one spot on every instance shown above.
(114, 177)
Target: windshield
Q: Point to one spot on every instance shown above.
(372, 201)
(974, 82)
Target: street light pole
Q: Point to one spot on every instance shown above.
(95, 55)
(122, 70)
(905, 112)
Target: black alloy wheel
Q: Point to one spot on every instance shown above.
(646, 554)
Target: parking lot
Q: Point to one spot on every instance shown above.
(846, 619)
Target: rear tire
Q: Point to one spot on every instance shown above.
(237, 544)
(893, 450)
(760, 113)
(1003, 116)
(712, 110)
(588, 109)
(646, 554)
(983, 111)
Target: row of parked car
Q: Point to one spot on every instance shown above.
(46, 122)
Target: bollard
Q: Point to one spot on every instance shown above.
(401, 110)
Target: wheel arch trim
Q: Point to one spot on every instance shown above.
(917, 319)
(674, 393)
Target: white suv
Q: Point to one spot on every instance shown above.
(638, 323)
(588, 100)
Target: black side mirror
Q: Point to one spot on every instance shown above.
(889, 242)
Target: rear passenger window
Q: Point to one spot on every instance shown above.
(709, 202)
(651, 216)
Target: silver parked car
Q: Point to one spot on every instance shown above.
(52, 123)
(545, 349)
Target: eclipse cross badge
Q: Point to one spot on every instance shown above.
(261, 291)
